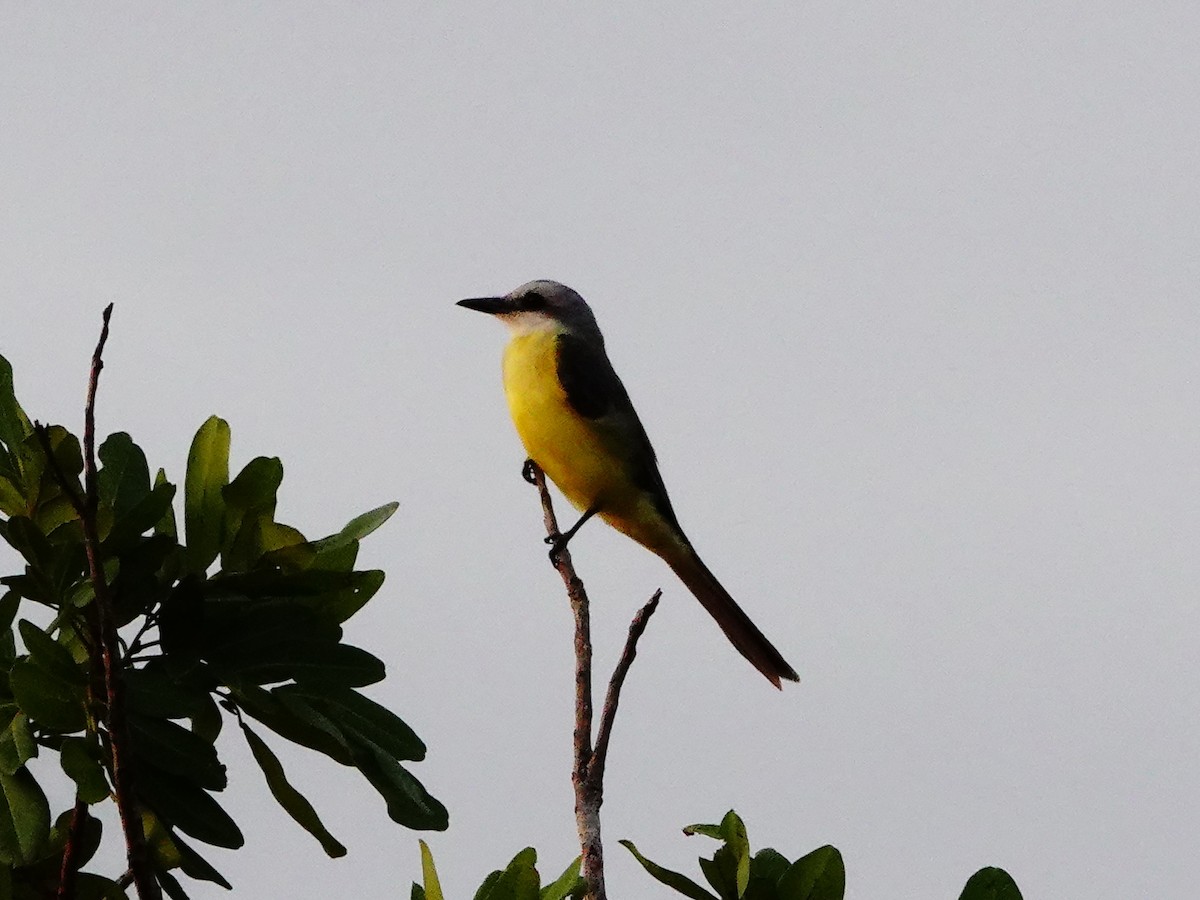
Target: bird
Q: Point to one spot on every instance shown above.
(575, 419)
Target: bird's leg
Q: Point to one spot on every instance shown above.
(558, 542)
(527, 471)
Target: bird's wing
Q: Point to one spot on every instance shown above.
(594, 390)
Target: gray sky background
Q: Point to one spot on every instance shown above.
(905, 295)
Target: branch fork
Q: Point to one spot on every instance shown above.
(587, 775)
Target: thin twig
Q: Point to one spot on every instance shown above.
(110, 649)
(587, 810)
(587, 776)
(613, 697)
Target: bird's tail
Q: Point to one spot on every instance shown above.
(741, 631)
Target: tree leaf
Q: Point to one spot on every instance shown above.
(357, 528)
(152, 692)
(48, 700)
(16, 740)
(203, 504)
(124, 476)
(196, 866)
(50, 655)
(293, 802)
(171, 886)
(408, 803)
(432, 888)
(299, 724)
(90, 886)
(355, 714)
(181, 803)
(679, 883)
(990, 883)
(166, 524)
(24, 818)
(147, 513)
(819, 875)
(80, 759)
(14, 424)
(568, 883)
(173, 748)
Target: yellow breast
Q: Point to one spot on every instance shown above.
(569, 448)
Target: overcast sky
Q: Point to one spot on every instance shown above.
(904, 293)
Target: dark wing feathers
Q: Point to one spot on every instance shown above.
(595, 392)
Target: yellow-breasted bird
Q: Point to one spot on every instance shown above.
(575, 419)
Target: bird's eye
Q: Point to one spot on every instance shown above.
(533, 301)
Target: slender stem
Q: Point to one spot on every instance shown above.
(110, 648)
(587, 801)
(609, 714)
(587, 775)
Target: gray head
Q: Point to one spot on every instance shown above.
(538, 305)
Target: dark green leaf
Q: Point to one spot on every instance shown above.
(203, 505)
(249, 506)
(181, 803)
(8, 609)
(297, 722)
(147, 513)
(206, 723)
(12, 500)
(293, 802)
(519, 881)
(254, 488)
(14, 424)
(568, 883)
(355, 714)
(152, 692)
(732, 860)
(197, 867)
(171, 886)
(16, 739)
(175, 749)
(485, 889)
(28, 540)
(124, 476)
(408, 803)
(50, 655)
(165, 525)
(24, 818)
(820, 875)
(307, 661)
(80, 759)
(90, 886)
(679, 883)
(990, 884)
(767, 866)
(48, 700)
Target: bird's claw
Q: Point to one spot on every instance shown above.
(527, 471)
(557, 545)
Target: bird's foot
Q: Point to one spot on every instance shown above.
(528, 470)
(558, 543)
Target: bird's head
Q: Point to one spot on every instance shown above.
(538, 305)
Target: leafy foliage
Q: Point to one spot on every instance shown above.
(734, 874)
(241, 616)
(519, 880)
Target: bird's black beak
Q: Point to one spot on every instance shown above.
(491, 305)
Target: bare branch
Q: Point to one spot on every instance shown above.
(636, 628)
(105, 623)
(587, 802)
(587, 776)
